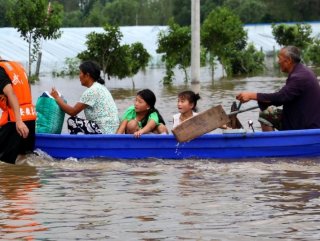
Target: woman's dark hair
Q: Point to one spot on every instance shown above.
(93, 69)
(191, 97)
(149, 97)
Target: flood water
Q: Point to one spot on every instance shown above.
(257, 199)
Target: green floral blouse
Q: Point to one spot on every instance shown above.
(101, 108)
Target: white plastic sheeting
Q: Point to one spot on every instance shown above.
(72, 42)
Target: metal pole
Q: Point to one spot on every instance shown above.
(195, 41)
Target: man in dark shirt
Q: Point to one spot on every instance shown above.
(300, 96)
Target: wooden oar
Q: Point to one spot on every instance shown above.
(200, 124)
(204, 122)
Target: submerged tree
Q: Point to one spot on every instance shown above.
(36, 20)
(222, 34)
(115, 59)
(175, 45)
(298, 35)
(225, 39)
(312, 53)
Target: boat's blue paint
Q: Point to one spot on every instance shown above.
(298, 143)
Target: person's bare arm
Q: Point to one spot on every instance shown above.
(70, 110)
(246, 96)
(122, 127)
(21, 127)
(148, 128)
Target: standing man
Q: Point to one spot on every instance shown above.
(17, 122)
(300, 97)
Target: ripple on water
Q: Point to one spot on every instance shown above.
(97, 199)
(160, 199)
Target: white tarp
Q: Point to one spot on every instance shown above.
(72, 42)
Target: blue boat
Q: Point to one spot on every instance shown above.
(297, 143)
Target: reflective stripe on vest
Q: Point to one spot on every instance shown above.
(21, 88)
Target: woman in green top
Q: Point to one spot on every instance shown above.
(142, 117)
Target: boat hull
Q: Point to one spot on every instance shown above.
(299, 143)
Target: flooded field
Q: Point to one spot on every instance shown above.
(93, 199)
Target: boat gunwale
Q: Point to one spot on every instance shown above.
(295, 133)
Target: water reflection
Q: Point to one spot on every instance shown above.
(261, 199)
(17, 208)
(160, 200)
(292, 190)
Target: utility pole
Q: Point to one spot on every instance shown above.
(195, 41)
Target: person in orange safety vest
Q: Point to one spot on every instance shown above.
(17, 122)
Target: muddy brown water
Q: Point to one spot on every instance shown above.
(94, 199)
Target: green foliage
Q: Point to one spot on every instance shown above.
(253, 11)
(96, 16)
(222, 35)
(206, 7)
(292, 11)
(36, 21)
(5, 8)
(298, 35)
(116, 12)
(182, 12)
(175, 45)
(247, 61)
(70, 5)
(103, 48)
(222, 31)
(71, 68)
(138, 12)
(128, 10)
(71, 19)
(139, 58)
(115, 59)
(313, 53)
(158, 12)
(249, 11)
(225, 39)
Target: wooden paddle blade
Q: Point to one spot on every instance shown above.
(200, 124)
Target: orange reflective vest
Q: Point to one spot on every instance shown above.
(21, 88)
